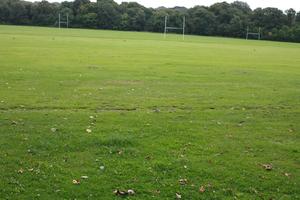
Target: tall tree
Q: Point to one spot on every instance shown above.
(221, 19)
(44, 13)
(108, 15)
(201, 21)
(4, 11)
(133, 16)
(291, 16)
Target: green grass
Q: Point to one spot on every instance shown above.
(209, 110)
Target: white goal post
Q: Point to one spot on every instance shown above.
(174, 28)
(60, 22)
(258, 34)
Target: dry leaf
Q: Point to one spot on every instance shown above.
(123, 193)
(120, 152)
(102, 167)
(20, 171)
(287, 174)
(119, 192)
(53, 130)
(157, 191)
(268, 167)
(202, 189)
(183, 181)
(178, 196)
(84, 177)
(88, 130)
(76, 182)
(130, 192)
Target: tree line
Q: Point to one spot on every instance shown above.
(220, 19)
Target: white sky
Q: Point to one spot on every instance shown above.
(281, 4)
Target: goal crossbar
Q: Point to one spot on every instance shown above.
(174, 28)
(258, 34)
(60, 22)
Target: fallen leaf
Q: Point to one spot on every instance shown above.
(88, 130)
(120, 152)
(178, 196)
(157, 191)
(130, 192)
(156, 110)
(119, 193)
(287, 174)
(183, 181)
(76, 182)
(102, 167)
(123, 192)
(267, 167)
(148, 157)
(53, 130)
(20, 171)
(202, 189)
(84, 177)
(241, 123)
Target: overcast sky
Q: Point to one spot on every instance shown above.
(282, 4)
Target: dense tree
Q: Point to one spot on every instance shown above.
(157, 20)
(108, 15)
(272, 18)
(242, 6)
(220, 19)
(87, 16)
(201, 21)
(133, 17)
(291, 16)
(4, 11)
(44, 13)
(17, 12)
(298, 18)
(77, 4)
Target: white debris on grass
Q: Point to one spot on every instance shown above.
(88, 130)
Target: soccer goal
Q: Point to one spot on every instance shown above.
(65, 21)
(253, 34)
(167, 28)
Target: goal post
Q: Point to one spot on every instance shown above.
(60, 21)
(257, 34)
(167, 28)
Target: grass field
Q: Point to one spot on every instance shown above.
(209, 110)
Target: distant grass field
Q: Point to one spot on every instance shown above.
(209, 110)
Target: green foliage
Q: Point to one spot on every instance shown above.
(220, 19)
(201, 21)
(108, 16)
